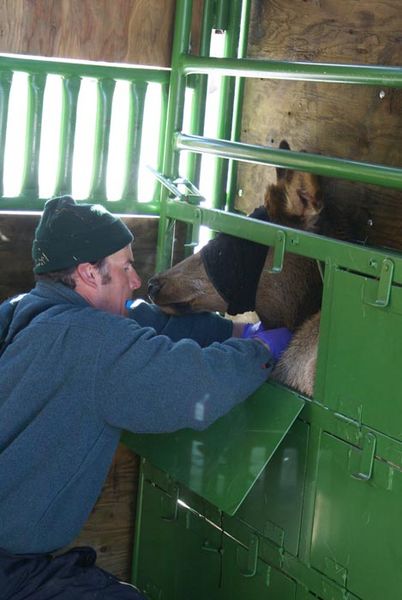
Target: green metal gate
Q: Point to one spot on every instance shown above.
(286, 497)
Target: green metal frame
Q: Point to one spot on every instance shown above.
(353, 438)
(72, 74)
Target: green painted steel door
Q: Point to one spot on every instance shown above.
(222, 462)
(274, 505)
(363, 353)
(245, 576)
(357, 528)
(179, 554)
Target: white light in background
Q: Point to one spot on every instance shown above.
(14, 156)
(50, 136)
(84, 139)
(150, 142)
(118, 140)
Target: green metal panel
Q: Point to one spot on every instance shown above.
(363, 363)
(357, 531)
(178, 555)
(274, 505)
(245, 576)
(348, 255)
(222, 463)
(72, 73)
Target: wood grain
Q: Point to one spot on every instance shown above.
(133, 31)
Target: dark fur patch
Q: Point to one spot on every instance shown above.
(234, 267)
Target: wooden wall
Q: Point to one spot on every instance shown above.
(133, 31)
(357, 122)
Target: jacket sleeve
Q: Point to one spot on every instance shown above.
(203, 328)
(147, 383)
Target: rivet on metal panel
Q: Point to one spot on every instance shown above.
(279, 252)
(367, 457)
(385, 284)
(252, 557)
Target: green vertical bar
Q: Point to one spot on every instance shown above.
(226, 105)
(138, 92)
(222, 14)
(238, 106)
(36, 90)
(102, 133)
(181, 44)
(5, 85)
(197, 118)
(71, 88)
(162, 140)
(200, 92)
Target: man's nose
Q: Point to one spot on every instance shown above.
(135, 281)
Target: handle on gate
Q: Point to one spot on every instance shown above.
(384, 285)
(252, 557)
(279, 252)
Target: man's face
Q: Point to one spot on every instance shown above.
(117, 281)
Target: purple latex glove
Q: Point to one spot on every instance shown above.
(277, 339)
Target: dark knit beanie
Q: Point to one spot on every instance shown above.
(70, 233)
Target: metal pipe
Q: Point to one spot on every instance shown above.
(36, 90)
(71, 88)
(138, 93)
(102, 133)
(225, 109)
(222, 16)
(174, 122)
(238, 105)
(360, 258)
(5, 86)
(294, 71)
(197, 116)
(302, 161)
(84, 69)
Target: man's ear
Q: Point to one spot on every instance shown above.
(87, 273)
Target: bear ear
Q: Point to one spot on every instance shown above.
(280, 171)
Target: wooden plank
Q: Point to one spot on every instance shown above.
(356, 122)
(16, 235)
(132, 31)
(110, 527)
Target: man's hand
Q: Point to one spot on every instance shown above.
(277, 339)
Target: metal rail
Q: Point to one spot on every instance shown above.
(72, 73)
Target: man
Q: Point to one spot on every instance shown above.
(74, 372)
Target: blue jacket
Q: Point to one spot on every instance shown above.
(72, 377)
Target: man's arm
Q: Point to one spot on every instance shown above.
(204, 328)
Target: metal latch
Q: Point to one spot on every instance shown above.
(384, 285)
(180, 188)
(279, 252)
(367, 457)
(252, 557)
